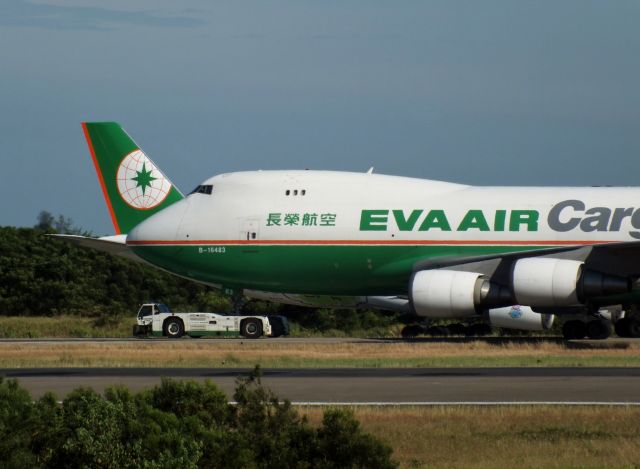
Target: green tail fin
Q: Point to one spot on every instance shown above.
(133, 186)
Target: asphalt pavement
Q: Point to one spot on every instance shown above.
(370, 385)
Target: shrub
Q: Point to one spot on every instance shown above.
(178, 424)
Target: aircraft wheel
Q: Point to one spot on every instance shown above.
(251, 328)
(458, 329)
(173, 328)
(411, 331)
(438, 331)
(634, 327)
(479, 330)
(574, 330)
(622, 327)
(598, 329)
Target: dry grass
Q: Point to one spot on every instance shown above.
(64, 326)
(505, 437)
(277, 353)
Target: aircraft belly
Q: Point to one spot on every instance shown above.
(311, 269)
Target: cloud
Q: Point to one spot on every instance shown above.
(23, 13)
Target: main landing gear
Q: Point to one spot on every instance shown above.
(598, 328)
(628, 327)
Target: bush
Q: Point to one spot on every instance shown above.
(17, 418)
(345, 321)
(178, 424)
(43, 276)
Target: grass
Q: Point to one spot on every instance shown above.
(14, 327)
(275, 353)
(441, 437)
(68, 326)
(505, 436)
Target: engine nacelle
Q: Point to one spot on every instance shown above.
(542, 281)
(548, 282)
(445, 293)
(520, 317)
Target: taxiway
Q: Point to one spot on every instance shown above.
(370, 385)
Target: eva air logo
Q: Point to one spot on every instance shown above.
(140, 182)
(515, 312)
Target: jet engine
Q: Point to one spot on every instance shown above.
(547, 282)
(520, 317)
(535, 281)
(446, 293)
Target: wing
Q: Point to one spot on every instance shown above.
(622, 259)
(115, 245)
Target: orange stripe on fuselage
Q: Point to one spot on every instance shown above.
(101, 178)
(352, 242)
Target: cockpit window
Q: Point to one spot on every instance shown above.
(205, 189)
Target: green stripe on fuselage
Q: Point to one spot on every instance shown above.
(311, 269)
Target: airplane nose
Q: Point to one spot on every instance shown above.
(162, 226)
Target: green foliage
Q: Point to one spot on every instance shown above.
(43, 276)
(17, 415)
(273, 430)
(346, 321)
(276, 433)
(178, 424)
(208, 300)
(47, 222)
(93, 433)
(343, 443)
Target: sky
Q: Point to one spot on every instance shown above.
(488, 93)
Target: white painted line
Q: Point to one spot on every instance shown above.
(450, 404)
(465, 403)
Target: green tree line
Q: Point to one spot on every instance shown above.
(43, 276)
(40, 275)
(178, 424)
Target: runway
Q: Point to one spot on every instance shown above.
(613, 342)
(370, 385)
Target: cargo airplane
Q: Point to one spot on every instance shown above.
(512, 256)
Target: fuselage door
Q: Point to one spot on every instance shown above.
(250, 229)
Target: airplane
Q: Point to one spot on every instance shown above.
(513, 256)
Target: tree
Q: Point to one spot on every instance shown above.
(45, 221)
(178, 424)
(17, 417)
(62, 224)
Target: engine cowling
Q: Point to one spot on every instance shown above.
(543, 281)
(548, 282)
(521, 318)
(446, 293)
